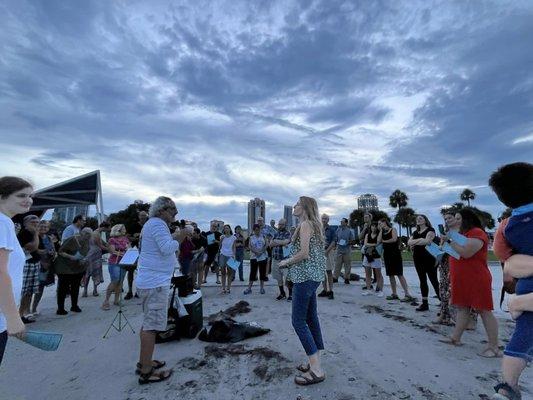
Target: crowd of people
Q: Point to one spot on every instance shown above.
(299, 259)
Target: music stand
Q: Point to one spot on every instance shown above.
(122, 320)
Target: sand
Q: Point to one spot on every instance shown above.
(375, 349)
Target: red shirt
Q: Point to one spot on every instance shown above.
(121, 244)
(186, 249)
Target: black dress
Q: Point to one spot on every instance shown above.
(392, 256)
(425, 264)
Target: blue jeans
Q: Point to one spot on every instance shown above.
(305, 318)
(239, 256)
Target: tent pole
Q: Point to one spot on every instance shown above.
(100, 201)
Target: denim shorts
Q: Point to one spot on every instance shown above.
(521, 343)
(116, 273)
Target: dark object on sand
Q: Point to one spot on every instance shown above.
(353, 277)
(223, 328)
(242, 307)
(228, 330)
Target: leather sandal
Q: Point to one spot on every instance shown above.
(309, 381)
(510, 393)
(153, 376)
(303, 368)
(155, 365)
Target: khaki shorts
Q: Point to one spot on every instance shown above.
(278, 273)
(330, 260)
(155, 308)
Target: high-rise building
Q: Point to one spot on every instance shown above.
(256, 209)
(287, 216)
(67, 214)
(367, 202)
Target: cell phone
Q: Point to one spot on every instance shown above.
(442, 230)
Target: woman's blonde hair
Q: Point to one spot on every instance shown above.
(310, 208)
(118, 230)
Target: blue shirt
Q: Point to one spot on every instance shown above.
(69, 231)
(519, 235)
(267, 230)
(157, 259)
(277, 252)
(329, 235)
(345, 234)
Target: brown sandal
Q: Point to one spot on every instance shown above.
(153, 376)
(155, 365)
(309, 381)
(303, 368)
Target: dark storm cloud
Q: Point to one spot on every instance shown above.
(212, 99)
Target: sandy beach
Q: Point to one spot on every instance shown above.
(375, 349)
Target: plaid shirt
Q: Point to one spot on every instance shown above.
(277, 252)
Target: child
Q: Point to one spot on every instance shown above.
(513, 184)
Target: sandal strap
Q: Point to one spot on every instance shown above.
(505, 386)
(146, 376)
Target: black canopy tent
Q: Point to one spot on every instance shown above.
(82, 190)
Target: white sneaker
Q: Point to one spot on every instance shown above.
(380, 294)
(367, 293)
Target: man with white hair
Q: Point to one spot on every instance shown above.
(281, 239)
(157, 261)
(329, 244)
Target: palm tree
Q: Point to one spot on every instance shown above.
(398, 199)
(406, 217)
(467, 195)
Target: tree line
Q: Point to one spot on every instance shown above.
(405, 216)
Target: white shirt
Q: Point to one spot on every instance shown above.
(16, 260)
(227, 245)
(69, 231)
(157, 259)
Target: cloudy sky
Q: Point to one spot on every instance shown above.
(216, 102)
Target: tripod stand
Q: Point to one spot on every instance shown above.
(120, 317)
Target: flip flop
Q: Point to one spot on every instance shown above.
(303, 368)
(153, 376)
(451, 341)
(309, 381)
(155, 364)
(490, 353)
